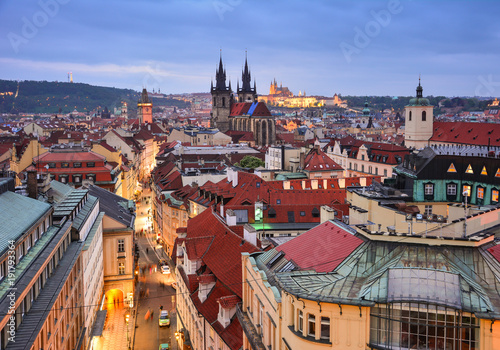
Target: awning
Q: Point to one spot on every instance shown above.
(98, 326)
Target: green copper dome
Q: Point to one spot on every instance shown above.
(419, 100)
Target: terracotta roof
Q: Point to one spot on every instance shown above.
(320, 249)
(205, 279)
(197, 246)
(317, 160)
(233, 333)
(467, 133)
(223, 256)
(70, 157)
(255, 109)
(495, 251)
(228, 302)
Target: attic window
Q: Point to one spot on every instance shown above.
(469, 170)
(452, 168)
(484, 172)
(271, 213)
(321, 166)
(278, 201)
(498, 173)
(315, 213)
(257, 184)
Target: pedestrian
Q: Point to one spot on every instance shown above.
(152, 312)
(146, 317)
(147, 293)
(147, 250)
(155, 268)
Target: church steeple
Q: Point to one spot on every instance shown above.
(220, 77)
(419, 89)
(246, 92)
(246, 77)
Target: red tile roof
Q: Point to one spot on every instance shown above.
(197, 246)
(320, 249)
(228, 302)
(243, 108)
(233, 333)
(223, 256)
(495, 251)
(467, 133)
(317, 160)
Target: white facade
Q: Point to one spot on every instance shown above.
(93, 273)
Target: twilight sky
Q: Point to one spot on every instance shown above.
(320, 46)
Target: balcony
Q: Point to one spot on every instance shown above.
(251, 333)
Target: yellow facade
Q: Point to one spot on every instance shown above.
(20, 162)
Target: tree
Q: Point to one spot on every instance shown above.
(250, 162)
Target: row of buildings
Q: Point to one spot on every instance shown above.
(66, 255)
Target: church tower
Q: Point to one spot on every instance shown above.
(419, 120)
(246, 93)
(221, 100)
(145, 108)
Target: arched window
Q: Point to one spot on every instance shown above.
(424, 116)
(409, 116)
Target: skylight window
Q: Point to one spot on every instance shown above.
(484, 172)
(469, 170)
(452, 168)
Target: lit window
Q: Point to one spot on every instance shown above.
(494, 195)
(64, 165)
(484, 172)
(452, 168)
(480, 192)
(121, 268)
(466, 190)
(311, 326)
(497, 173)
(325, 328)
(469, 170)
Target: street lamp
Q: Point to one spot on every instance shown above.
(127, 316)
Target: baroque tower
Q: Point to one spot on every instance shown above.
(221, 100)
(419, 120)
(246, 93)
(145, 108)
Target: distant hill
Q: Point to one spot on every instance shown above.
(55, 97)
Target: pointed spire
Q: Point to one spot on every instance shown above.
(220, 76)
(419, 89)
(246, 77)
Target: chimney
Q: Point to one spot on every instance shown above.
(32, 184)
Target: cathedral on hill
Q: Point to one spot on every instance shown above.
(241, 111)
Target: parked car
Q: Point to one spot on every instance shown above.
(174, 285)
(164, 346)
(164, 319)
(165, 269)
